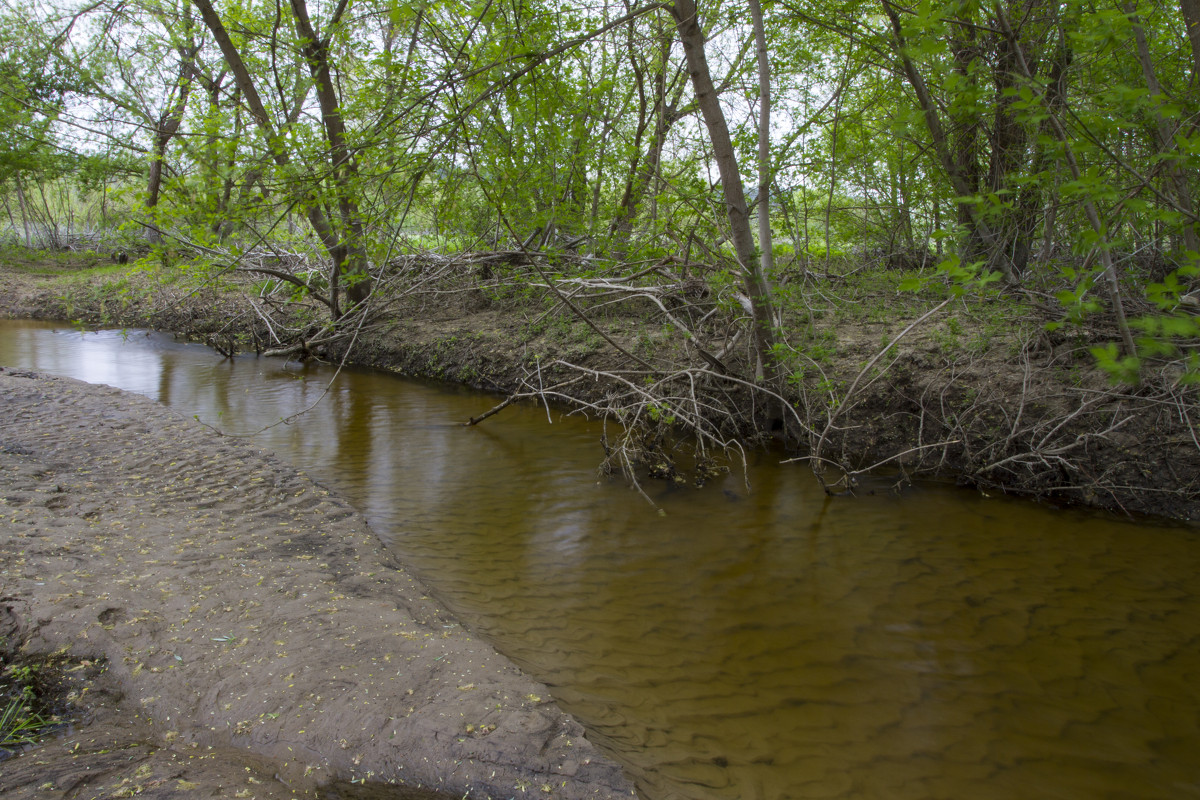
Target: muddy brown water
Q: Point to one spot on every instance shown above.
(753, 642)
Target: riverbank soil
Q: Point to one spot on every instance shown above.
(225, 627)
(979, 390)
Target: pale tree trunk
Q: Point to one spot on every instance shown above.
(766, 257)
(691, 36)
(24, 206)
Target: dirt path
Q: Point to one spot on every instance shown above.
(258, 641)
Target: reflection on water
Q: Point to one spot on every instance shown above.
(765, 642)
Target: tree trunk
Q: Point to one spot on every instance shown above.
(1009, 154)
(165, 129)
(962, 179)
(24, 206)
(1164, 134)
(334, 245)
(345, 171)
(964, 135)
(1191, 22)
(1089, 206)
(691, 35)
(833, 164)
(644, 170)
(766, 253)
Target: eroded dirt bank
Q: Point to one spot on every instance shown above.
(255, 640)
(980, 392)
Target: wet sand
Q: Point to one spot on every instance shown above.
(256, 639)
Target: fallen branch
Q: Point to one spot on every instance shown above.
(496, 409)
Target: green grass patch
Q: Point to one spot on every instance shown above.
(25, 716)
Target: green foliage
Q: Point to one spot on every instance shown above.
(660, 414)
(959, 277)
(1121, 369)
(20, 724)
(33, 89)
(482, 125)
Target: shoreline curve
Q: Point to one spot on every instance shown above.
(247, 617)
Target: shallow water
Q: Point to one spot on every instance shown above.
(753, 642)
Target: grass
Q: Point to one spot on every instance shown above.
(20, 724)
(20, 721)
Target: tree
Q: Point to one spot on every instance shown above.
(341, 234)
(141, 60)
(754, 281)
(33, 92)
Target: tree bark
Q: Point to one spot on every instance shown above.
(1089, 206)
(692, 37)
(961, 180)
(1009, 155)
(334, 245)
(24, 206)
(663, 114)
(766, 255)
(345, 171)
(165, 129)
(1163, 132)
(1191, 23)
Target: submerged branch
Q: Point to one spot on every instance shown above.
(496, 409)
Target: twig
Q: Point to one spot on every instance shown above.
(836, 410)
(496, 409)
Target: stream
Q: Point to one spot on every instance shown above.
(756, 639)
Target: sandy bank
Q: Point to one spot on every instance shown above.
(258, 640)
